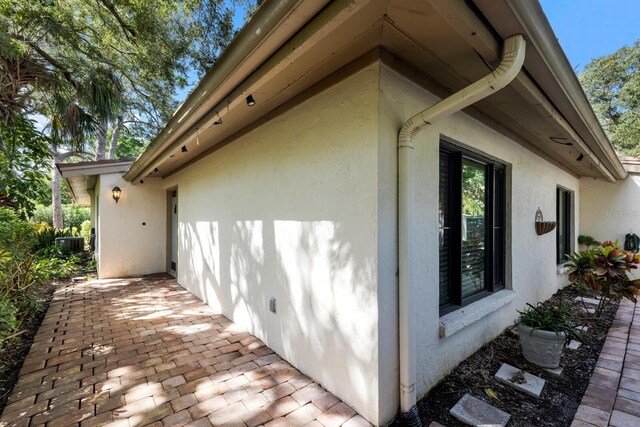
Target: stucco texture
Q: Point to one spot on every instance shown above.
(530, 259)
(290, 211)
(126, 247)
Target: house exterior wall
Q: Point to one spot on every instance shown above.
(290, 211)
(610, 210)
(532, 274)
(126, 247)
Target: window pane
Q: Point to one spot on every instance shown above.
(563, 201)
(444, 219)
(498, 230)
(473, 227)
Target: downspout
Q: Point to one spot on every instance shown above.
(510, 65)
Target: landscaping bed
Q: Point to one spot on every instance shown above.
(560, 397)
(15, 350)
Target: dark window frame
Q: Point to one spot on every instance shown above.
(495, 226)
(564, 199)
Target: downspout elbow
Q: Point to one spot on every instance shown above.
(510, 65)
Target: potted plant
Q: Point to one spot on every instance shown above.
(544, 329)
(603, 271)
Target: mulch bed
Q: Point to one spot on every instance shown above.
(13, 352)
(560, 397)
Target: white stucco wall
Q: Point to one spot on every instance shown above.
(125, 246)
(290, 211)
(610, 210)
(531, 259)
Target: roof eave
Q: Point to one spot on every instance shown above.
(541, 36)
(250, 39)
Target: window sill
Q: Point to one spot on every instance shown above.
(465, 316)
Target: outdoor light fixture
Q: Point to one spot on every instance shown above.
(580, 157)
(184, 149)
(116, 191)
(250, 101)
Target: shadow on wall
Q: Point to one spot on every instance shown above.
(324, 284)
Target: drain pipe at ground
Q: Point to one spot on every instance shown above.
(510, 65)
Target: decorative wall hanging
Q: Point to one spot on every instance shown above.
(543, 227)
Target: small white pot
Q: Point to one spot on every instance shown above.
(542, 348)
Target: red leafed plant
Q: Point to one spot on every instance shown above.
(605, 271)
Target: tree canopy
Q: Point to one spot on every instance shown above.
(96, 68)
(612, 84)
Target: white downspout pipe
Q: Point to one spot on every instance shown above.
(510, 65)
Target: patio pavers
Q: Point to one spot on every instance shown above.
(613, 395)
(144, 351)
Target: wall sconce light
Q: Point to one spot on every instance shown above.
(250, 101)
(184, 149)
(116, 192)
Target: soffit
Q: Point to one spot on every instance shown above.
(419, 33)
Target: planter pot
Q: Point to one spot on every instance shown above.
(542, 348)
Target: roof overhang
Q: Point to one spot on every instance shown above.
(82, 177)
(291, 46)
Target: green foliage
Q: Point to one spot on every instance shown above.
(612, 84)
(46, 236)
(15, 233)
(23, 158)
(73, 215)
(604, 270)
(587, 240)
(548, 317)
(8, 318)
(85, 231)
(130, 145)
(28, 260)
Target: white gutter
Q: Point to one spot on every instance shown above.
(510, 65)
(266, 20)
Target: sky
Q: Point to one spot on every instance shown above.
(589, 29)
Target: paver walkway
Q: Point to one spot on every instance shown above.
(613, 395)
(134, 352)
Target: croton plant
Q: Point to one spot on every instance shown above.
(604, 270)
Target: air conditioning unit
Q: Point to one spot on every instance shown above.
(74, 243)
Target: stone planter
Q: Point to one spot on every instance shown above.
(542, 348)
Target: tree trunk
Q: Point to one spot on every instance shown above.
(102, 141)
(114, 138)
(56, 197)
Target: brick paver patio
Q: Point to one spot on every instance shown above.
(613, 395)
(144, 351)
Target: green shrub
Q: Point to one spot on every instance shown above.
(46, 236)
(72, 215)
(8, 318)
(85, 231)
(15, 232)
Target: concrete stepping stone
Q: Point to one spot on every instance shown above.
(555, 372)
(574, 345)
(475, 412)
(594, 301)
(520, 380)
(589, 310)
(582, 328)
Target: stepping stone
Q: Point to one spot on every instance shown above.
(520, 380)
(574, 345)
(475, 412)
(555, 372)
(589, 310)
(79, 279)
(586, 300)
(583, 328)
